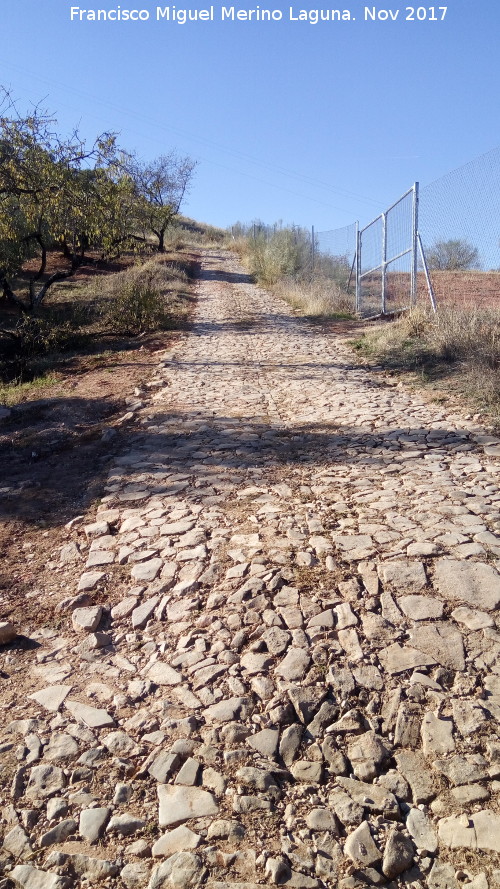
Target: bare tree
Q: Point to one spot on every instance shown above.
(161, 187)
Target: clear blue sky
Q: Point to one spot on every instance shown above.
(312, 124)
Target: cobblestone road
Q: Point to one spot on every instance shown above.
(282, 661)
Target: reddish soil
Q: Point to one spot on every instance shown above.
(480, 289)
(55, 450)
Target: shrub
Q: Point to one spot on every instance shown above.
(457, 342)
(137, 299)
(287, 252)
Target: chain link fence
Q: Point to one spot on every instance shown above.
(459, 224)
(436, 244)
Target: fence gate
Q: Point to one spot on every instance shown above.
(387, 259)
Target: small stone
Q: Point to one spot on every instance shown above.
(164, 765)
(420, 607)
(96, 529)
(89, 580)
(45, 781)
(371, 796)
(463, 769)
(59, 833)
(422, 831)
(437, 735)
(468, 716)
(17, 843)
(8, 632)
(290, 742)
(178, 804)
(360, 846)
(188, 774)
(228, 710)
(144, 612)
(122, 794)
(57, 807)
(309, 772)
(181, 839)
(120, 744)
(397, 659)
(93, 823)
(398, 854)
(294, 664)
(135, 875)
(276, 640)
(321, 819)
(366, 753)
(442, 876)
(253, 663)
(470, 793)
(474, 583)
(346, 809)
(24, 876)
(441, 641)
(61, 746)
(265, 742)
(125, 825)
(226, 830)
(345, 616)
(306, 701)
(163, 674)
(257, 779)
(415, 771)
(51, 697)
(183, 870)
(349, 641)
(407, 576)
(146, 572)
(91, 716)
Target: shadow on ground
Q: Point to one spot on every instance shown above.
(51, 485)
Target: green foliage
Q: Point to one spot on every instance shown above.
(137, 300)
(39, 336)
(61, 194)
(138, 308)
(160, 187)
(285, 253)
(453, 256)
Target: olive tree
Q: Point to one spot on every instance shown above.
(55, 194)
(453, 256)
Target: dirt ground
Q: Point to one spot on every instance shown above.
(55, 452)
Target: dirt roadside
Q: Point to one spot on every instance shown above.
(55, 452)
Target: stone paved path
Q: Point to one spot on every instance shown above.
(282, 661)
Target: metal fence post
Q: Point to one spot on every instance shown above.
(384, 261)
(313, 252)
(358, 269)
(414, 264)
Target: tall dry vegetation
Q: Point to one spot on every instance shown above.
(456, 345)
(281, 259)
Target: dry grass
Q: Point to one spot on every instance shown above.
(456, 347)
(320, 298)
(103, 307)
(282, 263)
(145, 297)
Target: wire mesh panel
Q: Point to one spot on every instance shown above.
(370, 289)
(387, 256)
(334, 254)
(460, 230)
(400, 253)
(398, 286)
